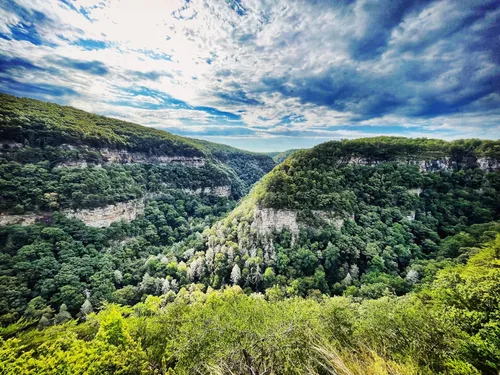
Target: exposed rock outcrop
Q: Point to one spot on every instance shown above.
(74, 164)
(27, 219)
(108, 155)
(357, 160)
(100, 217)
(10, 145)
(124, 157)
(416, 192)
(268, 220)
(429, 165)
(435, 164)
(411, 216)
(488, 164)
(220, 191)
(104, 216)
(330, 218)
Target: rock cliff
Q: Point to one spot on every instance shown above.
(220, 191)
(100, 217)
(104, 216)
(435, 164)
(124, 157)
(107, 155)
(268, 220)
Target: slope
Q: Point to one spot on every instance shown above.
(32, 132)
(279, 157)
(89, 203)
(364, 217)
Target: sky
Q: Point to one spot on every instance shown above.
(263, 75)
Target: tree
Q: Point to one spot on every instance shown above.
(165, 288)
(412, 276)
(38, 308)
(44, 322)
(269, 277)
(235, 274)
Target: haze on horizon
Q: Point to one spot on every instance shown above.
(263, 75)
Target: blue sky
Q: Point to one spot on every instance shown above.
(263, 75)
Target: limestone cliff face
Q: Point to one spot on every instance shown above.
(219, 191)
(109, 155)
(331, 218)
(74, 164)
(103, 217)
(100, 217)
(124, 157)
(489, 164)
(267, 220)
(27, 219)
(435, 165)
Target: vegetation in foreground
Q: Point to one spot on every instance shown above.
(451, 326)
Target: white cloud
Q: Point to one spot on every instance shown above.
(263, 64)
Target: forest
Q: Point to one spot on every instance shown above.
(449, 326)
(367, 256)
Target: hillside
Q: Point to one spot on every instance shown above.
(86, 200)
(61, 150)
(135, 251)
(279, 157)
(32, 131)
(364, 217)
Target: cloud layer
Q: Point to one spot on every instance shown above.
(263, 74)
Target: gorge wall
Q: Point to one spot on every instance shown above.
(268, 220)
(219, 191)
(103, 217)
(108, 155)
(486, 164)
(100, 217)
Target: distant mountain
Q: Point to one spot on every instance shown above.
(278, 156)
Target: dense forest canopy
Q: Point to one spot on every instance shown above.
(450, 326)
(367, 256)
(52, 162)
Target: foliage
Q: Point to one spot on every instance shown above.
(48, 265)
(279, 157)
(39, 137)
(392, 267)
(214, 332)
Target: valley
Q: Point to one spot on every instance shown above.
(125, 247)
